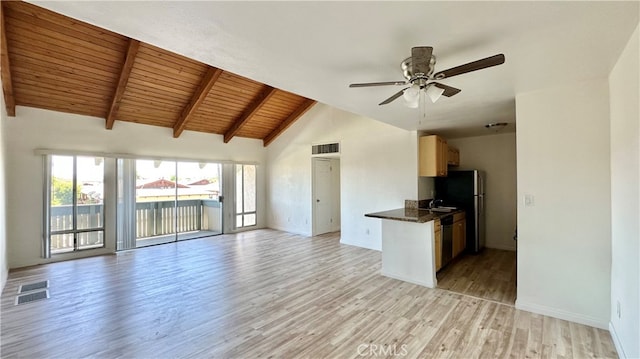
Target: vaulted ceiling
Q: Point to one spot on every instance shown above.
(54, 62)
(316, 49)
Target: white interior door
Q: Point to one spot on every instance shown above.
(322, 196)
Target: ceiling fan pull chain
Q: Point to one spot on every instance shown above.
(424, 105)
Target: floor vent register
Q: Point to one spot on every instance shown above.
(33, 286)
(28, 293)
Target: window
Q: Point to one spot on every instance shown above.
(245, 195)
(75, 203)
(163, 201)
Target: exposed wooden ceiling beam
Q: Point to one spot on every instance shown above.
(210, 78)
(5, 72)
(132, 51)
(249, 112)
(301, 110)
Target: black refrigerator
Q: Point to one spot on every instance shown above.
(465, 190)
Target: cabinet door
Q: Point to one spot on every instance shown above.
(453, 159)
(443, 153)
(450, 156)
(427, 156)
(463, 235)
(458, 237)
(437, 248)
(433, 154)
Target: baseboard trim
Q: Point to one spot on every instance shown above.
(504, 248)
(359, 245)
(561, 314)
(4, 276)
(616, 341)
(402, 278)
(278, 228)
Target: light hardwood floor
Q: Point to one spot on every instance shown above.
(491, 274)
(267, 293)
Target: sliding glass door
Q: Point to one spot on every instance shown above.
(166, 201)
(199, 211)
(156, 201)
(156, 205)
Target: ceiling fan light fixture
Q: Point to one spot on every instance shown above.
(412, 96)
(434, 92)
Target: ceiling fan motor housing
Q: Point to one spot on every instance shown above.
(407, 68)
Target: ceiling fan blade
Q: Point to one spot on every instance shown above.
(448, 90)
(392, 98)
(370, 84)
(420, 59)
(472, 66)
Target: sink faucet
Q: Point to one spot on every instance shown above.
(434, 203)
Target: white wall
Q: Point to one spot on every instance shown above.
(33, 128)
(426, 187)
(564, 239)
(4, 261)
(496, 156)
(335, 200)
(625, 200)
(378, 171)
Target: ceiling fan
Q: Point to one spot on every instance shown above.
(418, 71)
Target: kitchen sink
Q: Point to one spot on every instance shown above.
(443, 209)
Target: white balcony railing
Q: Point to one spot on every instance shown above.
(152, 219)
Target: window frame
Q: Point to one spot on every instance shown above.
(48, 233)
(239, 207)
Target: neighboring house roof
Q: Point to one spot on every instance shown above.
(161, 184)
(202, 182)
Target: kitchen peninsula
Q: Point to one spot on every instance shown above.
(408, 244)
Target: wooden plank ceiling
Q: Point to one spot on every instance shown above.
(54, 62)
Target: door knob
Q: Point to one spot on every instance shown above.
(317, 200)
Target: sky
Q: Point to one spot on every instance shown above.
(91, 169)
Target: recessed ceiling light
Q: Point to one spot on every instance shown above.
(496, 125)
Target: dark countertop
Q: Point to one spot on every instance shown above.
(411, 215)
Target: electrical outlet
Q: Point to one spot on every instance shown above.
(367, 231)
(529, 200)
(618, 311)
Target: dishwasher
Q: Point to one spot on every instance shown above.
(447, 239)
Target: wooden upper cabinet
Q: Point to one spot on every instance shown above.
(433, 156)
(453, 158)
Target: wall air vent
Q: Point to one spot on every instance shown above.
(327, 148)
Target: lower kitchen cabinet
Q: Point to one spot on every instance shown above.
(459, 234)
(437, 245)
